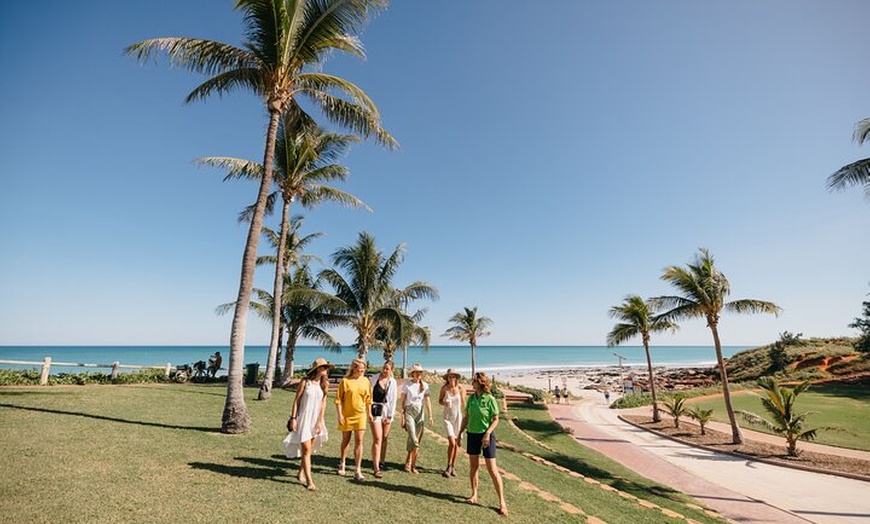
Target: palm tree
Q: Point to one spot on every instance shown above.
(779, 402)
(371, 302)
(856, 173)
(638, 319)
(469, 327)
(303, 163)
(286, 44)
(398, 336)
(705, 290)
(703, 416)
(306, 314)
(676, 407)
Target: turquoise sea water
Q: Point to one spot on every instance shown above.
(489, 358)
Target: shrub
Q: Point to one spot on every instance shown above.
(632, 400)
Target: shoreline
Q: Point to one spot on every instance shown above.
(608, 378)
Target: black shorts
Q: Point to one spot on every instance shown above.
(475, 445)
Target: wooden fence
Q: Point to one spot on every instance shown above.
(114, 366)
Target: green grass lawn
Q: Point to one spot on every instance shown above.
(150, 453)
(834, 405)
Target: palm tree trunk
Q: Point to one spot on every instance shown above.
(277, 288)
(287, 373)
(235, 418)
(473, 361)
(652, 383)
(736, 435)
(404, 362)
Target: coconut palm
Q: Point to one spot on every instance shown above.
(304, 165)
(366, 288)
(398, 336)
(638, 319)
(856, 173)
(704, 292)
(281, 59)
(469, 327)
(779, 403)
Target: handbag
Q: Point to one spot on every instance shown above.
(377, 409)
(290, 424)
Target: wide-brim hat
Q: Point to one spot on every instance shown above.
(416, 368)
(450, 373)
(319, 363)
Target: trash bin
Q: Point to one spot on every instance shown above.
(252, 373)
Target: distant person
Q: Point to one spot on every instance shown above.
(306, 425)
(480, 420)
(413, 398)
(452, 397)
(354, 403)
(607, 396)
(384, 393)
(565, 394)
(556, 394)
(214, 363)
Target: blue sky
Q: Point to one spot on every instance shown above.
(553, 159)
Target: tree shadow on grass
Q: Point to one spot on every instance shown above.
(111, 419)
(259, 469)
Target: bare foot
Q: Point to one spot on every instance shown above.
(301, 477)
(312, 487)
(472, 499)
(503, 511)
(415, 471)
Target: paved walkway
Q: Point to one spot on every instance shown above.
(740, 489)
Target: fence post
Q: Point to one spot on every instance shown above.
(166, 371)
(46, 369)
(115, 365)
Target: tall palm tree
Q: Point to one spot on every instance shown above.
(371, 301)
(638, 319)
(304, 165)
(704, 292)
(286, 44)
(856, 173)
(399, 336)
(469, 327)
(306, 314)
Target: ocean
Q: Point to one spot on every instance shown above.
(492, 359)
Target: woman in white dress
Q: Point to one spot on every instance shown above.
(413, 398)
(452, 397)
(307, 430)
(383, 410)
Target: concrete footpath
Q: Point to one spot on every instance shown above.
(740, 489)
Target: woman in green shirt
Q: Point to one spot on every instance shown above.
(480, 420)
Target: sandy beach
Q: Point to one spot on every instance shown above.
(611, 378)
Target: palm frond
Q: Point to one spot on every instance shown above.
(206, 57)
(236, 168)
(854, 174)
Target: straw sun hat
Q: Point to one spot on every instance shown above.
(320, 362)
(416, 368)
(450, 373)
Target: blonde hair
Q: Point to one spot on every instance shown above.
(356, 362)
(483, 380)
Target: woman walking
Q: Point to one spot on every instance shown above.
(307, 430)
(353, 401)
(452, 397)
(383, 409)
(414, 396)
(481, 419)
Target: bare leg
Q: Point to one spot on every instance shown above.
(345, 444)
(358, 451)
(377, 438)
(305, 469)
(497, 484)
(474, 465)
(387, 426)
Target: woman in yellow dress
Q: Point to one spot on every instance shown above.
(354, 403)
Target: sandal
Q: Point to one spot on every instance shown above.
(446, 473)
(378, 474)
(342, 472)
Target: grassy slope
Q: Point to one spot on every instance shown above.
(151, 453)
